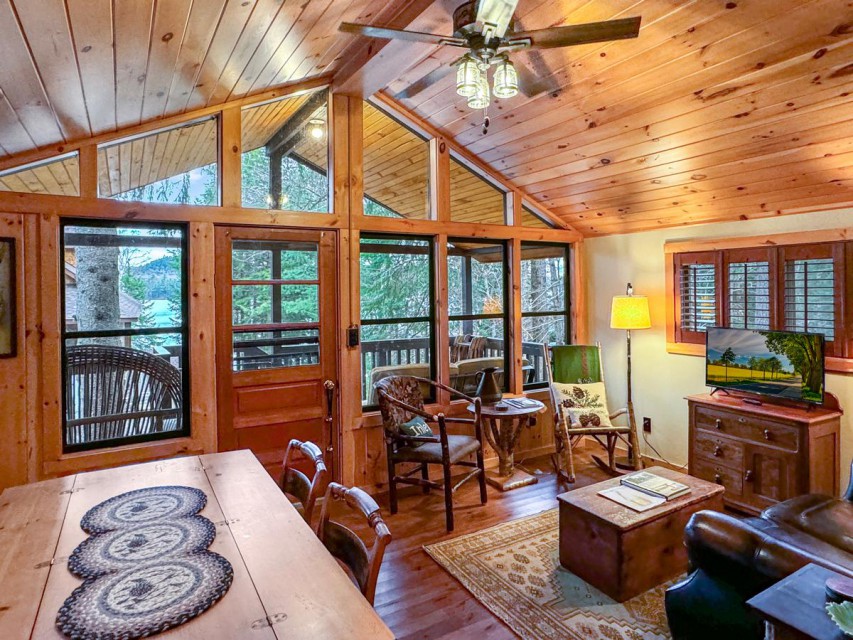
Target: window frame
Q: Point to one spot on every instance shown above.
(431, 319)
(505, 316)
(776, 250)
(65, 335)
(566, 313)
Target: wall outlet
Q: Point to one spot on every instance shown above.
(647, 425)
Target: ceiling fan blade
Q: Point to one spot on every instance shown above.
(428, 80)
(399, 34)
(529, 83)
(495, 15)
(578, 34)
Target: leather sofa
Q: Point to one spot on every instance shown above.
(733, 559)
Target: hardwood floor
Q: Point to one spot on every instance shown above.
(419, 599)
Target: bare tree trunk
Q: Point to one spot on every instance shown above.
(98, 288)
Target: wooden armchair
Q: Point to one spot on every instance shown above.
(362, 563)
(581, 364)
(401, 400)
(296, 484)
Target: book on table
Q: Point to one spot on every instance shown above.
(655, 485)
(631, 498)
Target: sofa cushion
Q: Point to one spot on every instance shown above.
(822, 517)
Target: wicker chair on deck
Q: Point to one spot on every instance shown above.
(117, 392)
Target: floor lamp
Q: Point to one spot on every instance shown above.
(630, 312)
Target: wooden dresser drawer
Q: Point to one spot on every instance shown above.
(749, 428)
(715, 449)
(731, 479)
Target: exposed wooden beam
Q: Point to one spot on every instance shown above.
(287, 137)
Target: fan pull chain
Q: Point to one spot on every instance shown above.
(486, 121)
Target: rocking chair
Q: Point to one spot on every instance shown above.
(578, 365)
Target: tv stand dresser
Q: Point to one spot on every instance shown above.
(766, 453)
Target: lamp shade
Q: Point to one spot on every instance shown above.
(630, 312)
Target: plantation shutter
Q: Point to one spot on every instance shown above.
(749, 288)
(811, 295)
(697, 309)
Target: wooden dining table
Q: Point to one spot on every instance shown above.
(286, 584)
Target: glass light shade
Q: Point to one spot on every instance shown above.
(317, 129)
(630, 312)
(482, 98)
(467, 78)
(506, 80)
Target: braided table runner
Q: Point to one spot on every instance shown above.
(146, 567)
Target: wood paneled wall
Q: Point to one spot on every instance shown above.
(31, 382)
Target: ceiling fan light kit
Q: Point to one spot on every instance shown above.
(482, 98)
(467, 77)
(506, 79)
(487, 29)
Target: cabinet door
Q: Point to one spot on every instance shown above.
(770, 476)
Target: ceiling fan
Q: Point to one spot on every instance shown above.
(486, 29)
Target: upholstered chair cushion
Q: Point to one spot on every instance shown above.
(459, 447)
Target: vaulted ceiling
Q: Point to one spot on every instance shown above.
(720, 110)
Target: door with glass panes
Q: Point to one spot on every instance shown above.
(276, 300)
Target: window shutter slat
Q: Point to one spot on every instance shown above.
(698, 297)
(810, 296)
(749, 295)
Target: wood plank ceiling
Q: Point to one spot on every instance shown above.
(720, 110)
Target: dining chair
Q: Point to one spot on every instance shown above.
(296, 484)
(362, 564)
(401, 403)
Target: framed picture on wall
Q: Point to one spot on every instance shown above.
(8, 323)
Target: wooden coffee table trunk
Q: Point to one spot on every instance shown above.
(624, 553)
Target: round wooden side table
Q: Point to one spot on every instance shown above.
(502, 428)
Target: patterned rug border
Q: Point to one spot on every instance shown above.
(441, 554)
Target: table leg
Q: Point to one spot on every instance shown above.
(503, 435)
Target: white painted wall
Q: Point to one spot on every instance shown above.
(661, 380)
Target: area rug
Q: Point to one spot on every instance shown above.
(514, 570)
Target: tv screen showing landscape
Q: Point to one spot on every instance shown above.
(781, 364)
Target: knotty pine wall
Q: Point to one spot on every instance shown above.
(30, 383)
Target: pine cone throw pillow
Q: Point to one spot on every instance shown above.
(583, 404)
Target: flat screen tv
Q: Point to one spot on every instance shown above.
(780, 364)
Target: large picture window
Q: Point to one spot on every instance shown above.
(477, 290)
(397, 310)
(544, 306)
(124, 335)
(285, 159)
(176, 165)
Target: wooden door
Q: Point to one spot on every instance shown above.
(276, 299)
(770, 476)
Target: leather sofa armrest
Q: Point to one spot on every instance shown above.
(740, 551)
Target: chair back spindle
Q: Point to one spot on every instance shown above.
(363, 562)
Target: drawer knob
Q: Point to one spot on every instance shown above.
(718, 451)
(718, 423)
(767, 434)
(718, 478)
(748, 476)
